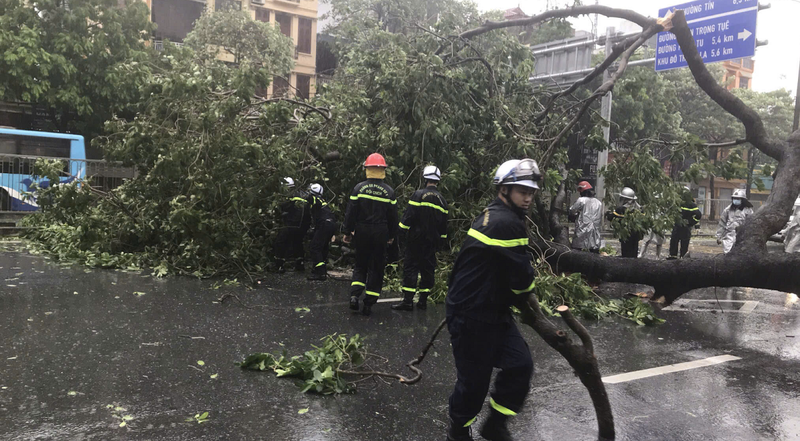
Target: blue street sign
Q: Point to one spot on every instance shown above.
(723, 30)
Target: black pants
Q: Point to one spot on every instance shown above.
(320, 245)
(478, 348)
(289, 245)
(630, 247)
(420, 260)
(370, 244)
(680, 235)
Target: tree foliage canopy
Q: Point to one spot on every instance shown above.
(83, 60)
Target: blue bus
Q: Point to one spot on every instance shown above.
(19, 150)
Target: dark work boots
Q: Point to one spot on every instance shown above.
(455, 433)
(494, 429)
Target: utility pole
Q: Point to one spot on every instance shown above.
(797, 104)
(605, 113)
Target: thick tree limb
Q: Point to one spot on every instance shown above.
(579, 356)
(575, 11)
(754, 127)
(673, 278)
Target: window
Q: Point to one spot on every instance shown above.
(175, 19)
(262, 15)
(280, 87)
(744, 83)
(285, 22)
(227, 5)
(29, 146)
(303, 86)
(304, 35)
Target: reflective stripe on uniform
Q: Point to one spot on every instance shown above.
(409, 289)
(299, 200)
(374, 198)
(358, 284)
(443, 236)
(319, 264)
(505, 243)
(373, 293)
(425, 290)
(690, 209)
(427, 204)
(502, 409)
(528, 289)
(404, 226)
(469, 423)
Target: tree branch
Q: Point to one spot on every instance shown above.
(603, 89)
(574, 11)
(754, 127)
(580, 357)
(616, 51)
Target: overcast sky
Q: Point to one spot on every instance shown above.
(776, 64)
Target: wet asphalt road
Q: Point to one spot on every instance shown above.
(75, 341)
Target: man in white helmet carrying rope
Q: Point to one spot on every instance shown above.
(493, 271)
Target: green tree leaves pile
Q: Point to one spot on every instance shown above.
(207, 172)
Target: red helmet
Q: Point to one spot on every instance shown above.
(583, 186)
(375, 160)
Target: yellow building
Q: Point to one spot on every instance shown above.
(739, 73)
(296, 19)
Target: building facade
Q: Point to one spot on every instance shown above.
(739, 73)
(297, 19)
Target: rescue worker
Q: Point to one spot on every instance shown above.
(296, 220)
(425, 222)
(682, 231)
(324, 231)
(587, 214)
(791, 234)
(627, 203)
(371, 224)
(492, 272)
(733, 216)
(656, 237)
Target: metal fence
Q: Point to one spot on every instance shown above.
(18, 174)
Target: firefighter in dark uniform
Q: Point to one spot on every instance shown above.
(296, 220)
(627, 203)
(371, 224)
(324, 230)
(425, 222)
(493, 271)
(682, 231)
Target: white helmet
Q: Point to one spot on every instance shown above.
(315, 190)
(739, 193)
(432, 173)
(523, 172)
(288, 182)
(628, 193)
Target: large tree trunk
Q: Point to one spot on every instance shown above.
(673, 278)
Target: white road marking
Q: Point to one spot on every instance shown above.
(668, 369)
(685, 305)
(398, 299)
